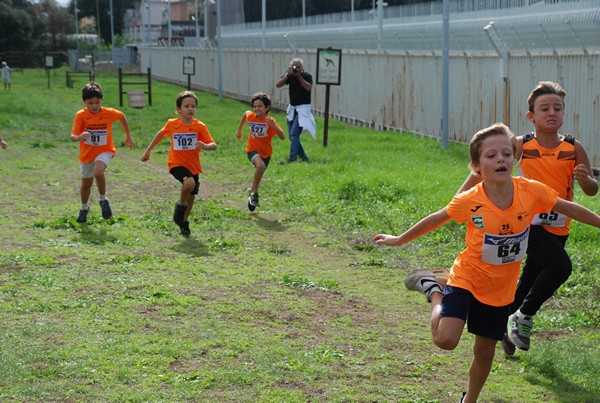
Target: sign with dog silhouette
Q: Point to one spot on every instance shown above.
(329, 66)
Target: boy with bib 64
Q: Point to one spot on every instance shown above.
(482, 281)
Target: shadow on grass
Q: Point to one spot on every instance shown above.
(191, 246)
(99, 237)
(269, 225)
(551, 378)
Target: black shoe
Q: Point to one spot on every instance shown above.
(507, 346)
(178, 214)
(82, 217)
(185, 228)
(253, 201)
(106, 211)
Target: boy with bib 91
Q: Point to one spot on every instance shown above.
(189, 137)
(483, 279)
(259, 148)
(92, 128)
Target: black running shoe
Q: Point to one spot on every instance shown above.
(185, 228)
(82, 217)
(178, 214)
(106, 211)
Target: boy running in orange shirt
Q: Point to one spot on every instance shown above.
(262, 129)
(189, 137)
(92, 128)
(555, 160)
(483, 279)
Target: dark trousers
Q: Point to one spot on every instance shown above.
(546, 268)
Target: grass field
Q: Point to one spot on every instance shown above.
(293, 303)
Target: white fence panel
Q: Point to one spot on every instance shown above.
(395, 91)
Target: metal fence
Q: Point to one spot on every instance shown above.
(399, 88)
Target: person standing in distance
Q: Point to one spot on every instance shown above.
(299, 115)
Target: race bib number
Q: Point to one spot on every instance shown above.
(503, 249)
(184, 141)
(258, 129)
(97, 138)
(551, 219)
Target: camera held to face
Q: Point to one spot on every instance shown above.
(295, 69)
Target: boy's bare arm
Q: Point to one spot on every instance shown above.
(238, 132)
(153, 143)
(430, 223)
(128, 139)
(583, 172)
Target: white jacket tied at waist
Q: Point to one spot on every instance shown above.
(305, 118)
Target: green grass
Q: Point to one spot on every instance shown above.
(291, 304)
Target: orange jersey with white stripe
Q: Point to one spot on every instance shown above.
(496, 239)
(260, 136)
(100, 126)
(184, 137)
(555, 168)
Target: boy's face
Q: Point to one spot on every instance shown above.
(496, 159)
(259, 108)
(548, 113)
(187, 108)
(93, 104)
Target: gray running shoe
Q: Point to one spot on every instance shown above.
(423, 281)
(518, 330)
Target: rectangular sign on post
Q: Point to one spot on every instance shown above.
(329, 66)
(329, 71)
(189, 69)
(189, 66)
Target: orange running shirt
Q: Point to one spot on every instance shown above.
(100, 126)
(260, 136)
(555, 168)
(496, 239)
(184, 138)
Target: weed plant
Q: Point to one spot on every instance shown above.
(291, 303)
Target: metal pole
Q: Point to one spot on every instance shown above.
(196, 20)
(445, 71)
(169, 23)
(112, 27)
(76, 28)
(219, 50)
(98, 23)
(264, 22)
(303, 12)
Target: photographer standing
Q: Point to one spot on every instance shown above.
(299, 115)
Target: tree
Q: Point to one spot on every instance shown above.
(99, 10)
(16, 26)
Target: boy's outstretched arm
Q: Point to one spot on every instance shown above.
(153, 143)
(128, 139)
(238, 132)
(431, 222)
(577, 212)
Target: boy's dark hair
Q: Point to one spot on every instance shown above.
(91, 90)
(543, 88)
(262, 97)
(183, 95)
